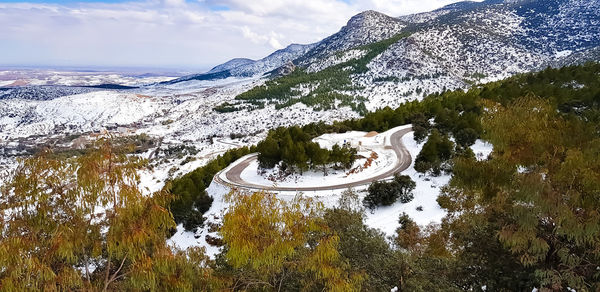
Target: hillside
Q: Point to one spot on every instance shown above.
(451, 150)
(454, 47)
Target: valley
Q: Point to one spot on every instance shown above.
(460, 142)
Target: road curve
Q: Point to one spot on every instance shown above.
(234, 179)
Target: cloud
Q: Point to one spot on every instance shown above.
(271, 39)
(174, 33)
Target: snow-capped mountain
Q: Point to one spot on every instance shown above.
(250, 68)
(470, 42)
(452, 47)
(233, 63)
(364, 28)
(493, 39)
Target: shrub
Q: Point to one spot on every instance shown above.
(387, 193)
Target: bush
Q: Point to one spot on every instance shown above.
(387, 193)
(421, 126)
(436, 151)
(466, 137)
(190, 197)
(193, 220)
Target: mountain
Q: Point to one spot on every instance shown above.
(377, 60)
(372, 62)
(233, 63)
(362, 29)
(249, 68)
(451, 47)
(493, 39)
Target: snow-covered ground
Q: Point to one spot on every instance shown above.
(371, 147)
(425, 195)
(383, 218)
(32, 77)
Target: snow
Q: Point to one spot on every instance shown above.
(75, 78)
(426, 192)
(336, 59)
(563, 54)
(482, 149)
(383, 218)
(442, 55)
(184, 239)
(385, 161)
(425, 195)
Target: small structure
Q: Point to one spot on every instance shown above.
(371, 134)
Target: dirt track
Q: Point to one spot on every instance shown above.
(233, 175)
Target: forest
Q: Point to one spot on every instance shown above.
(324, 87)
(294, 149)
(526, 217)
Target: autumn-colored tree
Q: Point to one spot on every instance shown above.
(84, 224)
(408, 235)
(538, 195)
(277, 245)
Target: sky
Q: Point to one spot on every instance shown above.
(178, 34)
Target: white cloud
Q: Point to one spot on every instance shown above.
(192, 33)
(275, 44)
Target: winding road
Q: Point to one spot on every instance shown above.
(233, 174)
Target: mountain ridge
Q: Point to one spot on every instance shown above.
(525, 26)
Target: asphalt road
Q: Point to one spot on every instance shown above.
(233, 174)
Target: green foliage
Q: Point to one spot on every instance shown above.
(271, 244)
(226, 108)
(325, 87)
(544, 216)
(383, 193)
(365, 249)
(293, 147)
(420, 126)
(190, 197)
(570, 89)
(437, 150)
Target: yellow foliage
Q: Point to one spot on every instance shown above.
(268, 237)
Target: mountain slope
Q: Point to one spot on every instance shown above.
(451, 47)
(233, 63)
(495, 39)
(472, 42)
(362, 29)
(247, 67)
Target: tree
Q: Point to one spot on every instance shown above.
(545, 216)
(387, 193)
(437, 150)
(300, 159)
(321, 157)
(275, 245)
(466, 137)
(366, 250)
(84, 224)
(336, 155)
(190, 199)
(269, 153)
(408, 235)
(420, 125)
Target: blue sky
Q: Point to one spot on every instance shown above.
(192, 35)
